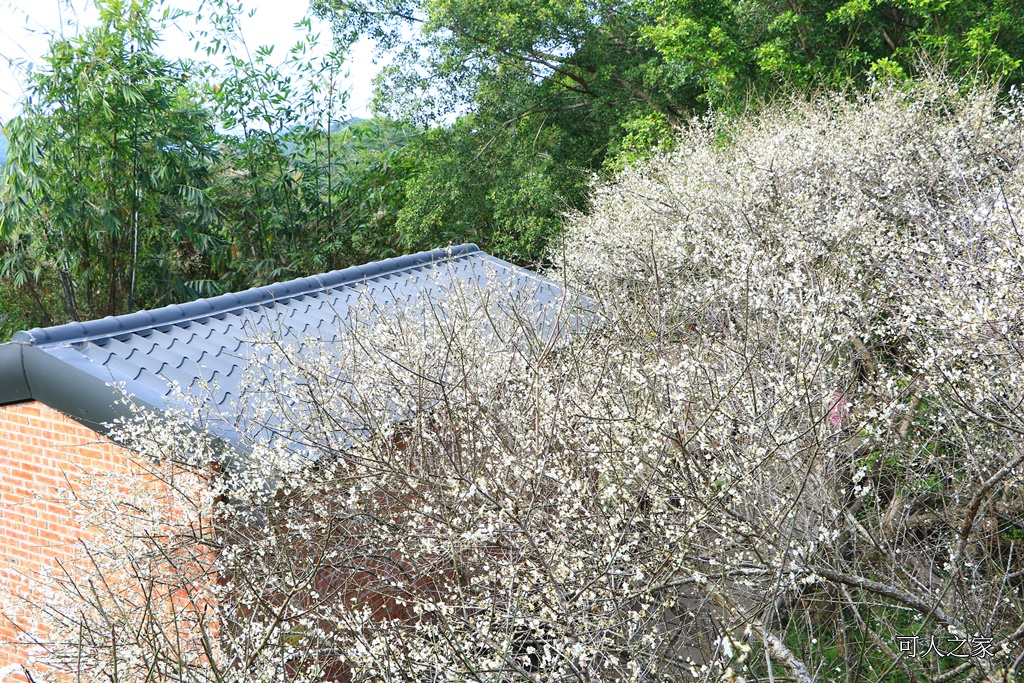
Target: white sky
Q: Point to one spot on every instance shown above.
(25, 25)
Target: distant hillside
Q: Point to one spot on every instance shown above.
(342, 125)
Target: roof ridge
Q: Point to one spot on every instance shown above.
(129, 323)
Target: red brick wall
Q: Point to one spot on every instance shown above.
(38, 447)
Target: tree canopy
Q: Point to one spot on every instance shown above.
(547, 92)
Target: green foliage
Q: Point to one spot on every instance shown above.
(373, 167)
(480, 183)
(120, 192)
(104, 189)
(552, 91)
(306, 199)
(135, 181)
(547, 91)
(275, 182)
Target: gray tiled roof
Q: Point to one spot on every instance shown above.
(207, 342)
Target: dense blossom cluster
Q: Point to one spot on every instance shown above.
(832, 297)
(779, 435)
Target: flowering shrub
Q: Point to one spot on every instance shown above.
(781, 441)
(830, 299)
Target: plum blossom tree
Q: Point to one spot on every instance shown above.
(781, 440)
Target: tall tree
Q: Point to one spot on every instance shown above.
(104, 189)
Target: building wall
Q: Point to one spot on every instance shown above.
(40, 451)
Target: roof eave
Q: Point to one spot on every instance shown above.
(14, 386)
(59, 379)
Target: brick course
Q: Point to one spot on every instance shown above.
(40, 449)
